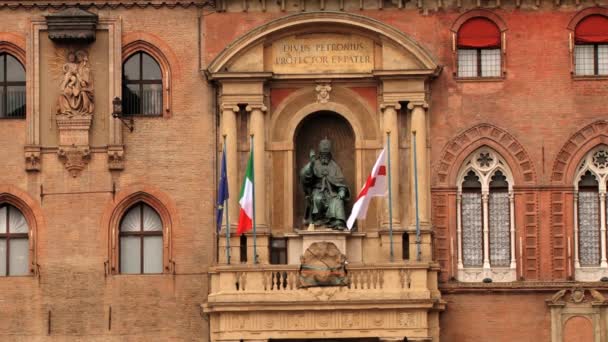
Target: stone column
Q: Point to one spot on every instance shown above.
(229, 112)
(512, 213)
(257, 129)
(419, 126)
(459, 228)
(602, 195)
(389, 111)
(577, 262)
(485, 196)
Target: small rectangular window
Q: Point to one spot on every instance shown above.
(278, 251)
(243, 248)
(406, 246)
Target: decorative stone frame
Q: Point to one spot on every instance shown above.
(477, 274)
(142, 42)
(33, 215)
(117, 209)
(591, 273)
(575, 302)
(580, 16)
(290, 113)
(493, 17)
(115, 148)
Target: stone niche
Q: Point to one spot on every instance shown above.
(75, 60)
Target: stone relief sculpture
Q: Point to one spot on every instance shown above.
(323, 265)
(76, 98)
(325, 189)
(75, 107)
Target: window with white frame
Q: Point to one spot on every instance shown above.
(590, 216)
(486, 228)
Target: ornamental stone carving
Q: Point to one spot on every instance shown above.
(74, 158)
(75, 107)
(76, 98)
(323, 265)
(323, 92)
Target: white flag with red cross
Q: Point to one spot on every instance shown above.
(376, 185)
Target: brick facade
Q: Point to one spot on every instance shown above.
(539, 117)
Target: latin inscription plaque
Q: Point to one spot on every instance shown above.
(327, 53)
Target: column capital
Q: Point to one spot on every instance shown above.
(253, 106)
(414, 104)
(386, 105)
(229, 106)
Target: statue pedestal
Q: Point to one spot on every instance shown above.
(349, 243)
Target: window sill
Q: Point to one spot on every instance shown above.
(478, 274)
(589, 77)
(479, 79)
(12, 118)
(590, 273)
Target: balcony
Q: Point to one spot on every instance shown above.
(261, 302)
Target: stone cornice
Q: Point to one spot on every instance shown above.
(519, 286)
(103, 4)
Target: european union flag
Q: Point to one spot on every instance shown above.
(222, 193)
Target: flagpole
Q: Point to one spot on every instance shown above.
(226, 209)
(416, 197)
(255, 254)
(390, 194)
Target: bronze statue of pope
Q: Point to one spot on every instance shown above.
(325, 189)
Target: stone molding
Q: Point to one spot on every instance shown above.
(322, 18)
(122, 202)
(568, 158)
(462, 145)
(32, 211)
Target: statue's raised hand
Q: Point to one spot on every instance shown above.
(312, 155)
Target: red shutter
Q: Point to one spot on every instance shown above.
(592, 29)
(479, 33)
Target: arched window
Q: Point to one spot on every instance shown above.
(591, 46)
(14, 244)
(590, 216)
(486, 228)
(141, 240)
(142, 89)
(479, 48)
(12, 87)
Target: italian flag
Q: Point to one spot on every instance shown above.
(246, 200)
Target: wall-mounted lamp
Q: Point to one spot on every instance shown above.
(117, 114)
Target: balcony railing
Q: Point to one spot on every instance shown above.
(281, 282)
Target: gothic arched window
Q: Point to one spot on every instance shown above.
(479, 48)
(141, 240)
(590, 216)
(486, 228)
(14, 242)
(12, 87)
(142, 86)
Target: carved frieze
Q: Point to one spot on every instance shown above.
(323, 320)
